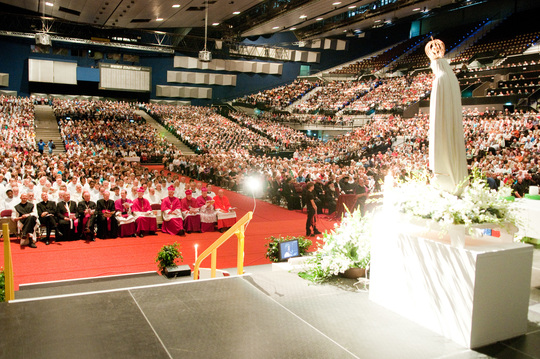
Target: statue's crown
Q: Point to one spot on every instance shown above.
(435, 49)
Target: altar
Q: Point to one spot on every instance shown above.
(476, 295)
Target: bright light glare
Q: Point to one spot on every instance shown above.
(159, 19)
(49, 3)
(236, 12)
(176, 5)
(253, 184)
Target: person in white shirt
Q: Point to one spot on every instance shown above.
(77, 195)
(94, 192)
(10, 202)
(72, 184)
(152, 196)
(115, 193)
(132, 194)
(57, 183)
(161, 191)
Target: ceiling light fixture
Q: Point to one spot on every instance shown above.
(352, 7)
(49, 3)
(236, 12)
(319, 19)
(215, 24)
(336, 3)
(176, 5)
(292, 28)
(416, 9)
(159, 19)
(303, 16)
(275, 28)
(378, 20)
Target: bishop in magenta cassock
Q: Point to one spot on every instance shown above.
(171, 208)
(144, 217)
(126, 221)
(190, 211)
(207, 211)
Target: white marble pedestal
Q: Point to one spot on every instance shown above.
(475, 295)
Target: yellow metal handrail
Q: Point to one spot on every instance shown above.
(8, 265)
(238, 228)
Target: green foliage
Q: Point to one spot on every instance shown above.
(168, 255)
(272, 251)
(2, 286)
(347, 246)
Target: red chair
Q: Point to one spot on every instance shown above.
(156, 207)
(6, 218)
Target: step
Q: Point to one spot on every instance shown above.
(111, 283)
(92, 284)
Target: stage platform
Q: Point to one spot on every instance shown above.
(260, 315)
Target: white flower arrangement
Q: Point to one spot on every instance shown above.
(478, 204)
(347, 246)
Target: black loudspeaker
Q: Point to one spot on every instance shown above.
(178, 271)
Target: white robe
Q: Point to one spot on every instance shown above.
(447, 158)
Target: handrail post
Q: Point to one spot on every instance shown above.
(240, 253)
(8, 265)
(213, 265)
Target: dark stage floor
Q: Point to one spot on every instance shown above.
(263, 315)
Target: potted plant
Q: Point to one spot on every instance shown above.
(2, 286)
(347, 247)
(167, 258)
(272, 251)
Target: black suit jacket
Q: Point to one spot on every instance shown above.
(104, 205)
(61, 209)
(50, 207)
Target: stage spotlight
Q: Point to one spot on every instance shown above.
(253, 184)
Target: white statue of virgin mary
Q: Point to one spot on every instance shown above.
(447, 157)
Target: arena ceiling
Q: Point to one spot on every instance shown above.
(308, 18)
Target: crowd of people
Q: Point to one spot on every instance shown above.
(108, 127)
(334, 96)
(287, 137)
(393, 94)
(17, 124)
(206, 131)
(279, 97)
(502, 144)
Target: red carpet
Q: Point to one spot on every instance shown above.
(80, 259)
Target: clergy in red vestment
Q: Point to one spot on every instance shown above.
(226, 216)
(190, 211)
(144, 217)
(207, 211)
(126, 220)
(171, 209)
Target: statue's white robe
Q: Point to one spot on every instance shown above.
(447, 157)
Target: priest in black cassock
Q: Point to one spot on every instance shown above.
(25, 214)
(46, 211)
(87, 215)
(66, 214)
(107, 225)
